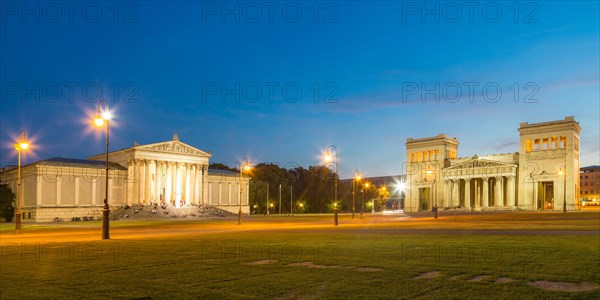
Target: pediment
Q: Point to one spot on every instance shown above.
(174, 147)
(479, 163)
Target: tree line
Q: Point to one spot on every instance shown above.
(311, 190)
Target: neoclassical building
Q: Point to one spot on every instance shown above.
(542, 175)
(170, 172)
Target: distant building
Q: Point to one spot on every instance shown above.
(543, 175)
(169, 172)
(590, 185)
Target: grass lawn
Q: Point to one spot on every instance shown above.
(495, 256)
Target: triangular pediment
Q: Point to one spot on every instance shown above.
(173, 147)
(479, 163)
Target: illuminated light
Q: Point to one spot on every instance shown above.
(22, 144)
(327, 155)
(106, 115)
(335, 205)
(367, 184)
(99, 121)
(560, 172)
(402, 186)
(429, 172)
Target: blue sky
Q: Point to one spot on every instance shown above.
(378, 67)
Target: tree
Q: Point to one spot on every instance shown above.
(220, 166)
(7, 197)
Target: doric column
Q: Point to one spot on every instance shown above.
(192, 183)
(485, 199)
(205, 184)
(468, 193)
(140, 181)
(476, 193)
(447, 193)
(130, 181)
(197, 185)
(168, 182)
(175, 183)
(497, 192)
(148, 183)
(510, 198)
(455, 191)
(188, 188)
(157, 181)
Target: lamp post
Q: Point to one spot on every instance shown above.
(362, 206)
(335, 161)
(356, 178)
(102, 118)
(21, 145)
(246, 167)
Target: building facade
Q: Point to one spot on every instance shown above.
(542, 175)
(590, 185)
(171, 172)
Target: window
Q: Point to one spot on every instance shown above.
(545, 144)
(419, 157)
(528, 145)
(437, 153)
(536, 144)
(553, 142)
(563, 142)
(576, 144)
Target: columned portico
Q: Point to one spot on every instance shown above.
(484, 183)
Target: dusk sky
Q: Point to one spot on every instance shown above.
(378, 66)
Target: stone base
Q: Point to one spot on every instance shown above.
(49, 214)
(234, 208)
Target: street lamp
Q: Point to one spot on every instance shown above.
(242, 169)
(328, 158)
(362, 191)
(102, 118)
(356, 178)
(21, 145)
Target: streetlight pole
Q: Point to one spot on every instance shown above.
(328, 159)
(291, 199)
(280, 198)
(21, 144)
(365, 186)
(356, 178)
(101, 120)
(242, 169)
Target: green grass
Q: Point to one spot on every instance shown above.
(188, 260)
